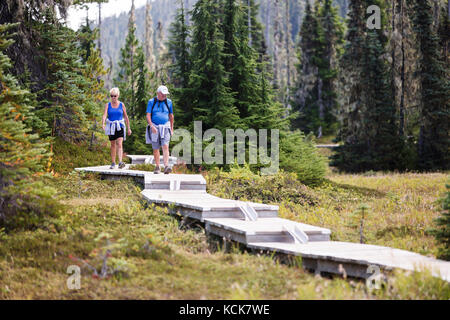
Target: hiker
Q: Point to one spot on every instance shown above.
(114, 116)
(160, 127)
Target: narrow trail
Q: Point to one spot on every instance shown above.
(258, 227)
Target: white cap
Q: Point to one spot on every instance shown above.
(163, 90)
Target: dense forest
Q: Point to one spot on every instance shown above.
(307, 68)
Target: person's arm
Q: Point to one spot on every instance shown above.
(127, 121)
(149, 121)
(105, 114)
(171, 121)
(149, 116)
(171, 118)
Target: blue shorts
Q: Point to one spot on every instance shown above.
(160, 141)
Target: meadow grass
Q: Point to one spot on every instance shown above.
(151, 256)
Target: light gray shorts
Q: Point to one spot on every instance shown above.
(158, 141)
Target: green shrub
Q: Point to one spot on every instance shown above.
(241, 183)
(298, 154)
(442, 232)
(68, 156)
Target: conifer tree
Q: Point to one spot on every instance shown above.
(306, 90)
(136, 142)
(211, 96)
(128, 72)
(63, 97)
(255, 29)
(24, 200)
(179, 68)
(433, 144)
(93, 72)
(331, 37)
(240, 59)
(316, 97)
(369, 130)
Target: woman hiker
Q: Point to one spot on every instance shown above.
(114, 116)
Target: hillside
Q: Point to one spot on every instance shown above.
(114, 29)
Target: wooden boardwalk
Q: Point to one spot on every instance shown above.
(258, 227)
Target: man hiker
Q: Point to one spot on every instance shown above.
(160, 126)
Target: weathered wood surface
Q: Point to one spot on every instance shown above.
(140, 158)
(186, 194)
(360, 254)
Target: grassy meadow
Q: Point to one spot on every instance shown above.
(152, 255)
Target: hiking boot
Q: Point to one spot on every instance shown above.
(113, 165)
(157, 170)
(167, 170)
(121, 165)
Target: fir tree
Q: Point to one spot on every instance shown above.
(306, 90)
(331, 37)
(315, 95)
(211, 96)
(24, 199)
(136, 142)
(350, 105)
(369, 127)
(179, 68)
(128, 72)
(93, 72)
(63, 97)
(255, 31)
(240, 60)
(433, 144)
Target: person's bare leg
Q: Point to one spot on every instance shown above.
(166, 155)
(119, 149)
(156, 156)
(113, 151)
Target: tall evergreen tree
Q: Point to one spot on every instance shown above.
(433, 144)
(331, 37)
(306, 90)
(373, 143)
(64, 96)
(24, 199)
(179, 68)
(93, 72)
(350, 104)
(136, 142)
(127, 77)
(255, 29)
(315, 94)
(211, 96)
(240, 59)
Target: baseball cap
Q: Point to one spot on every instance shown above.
(163, 90)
